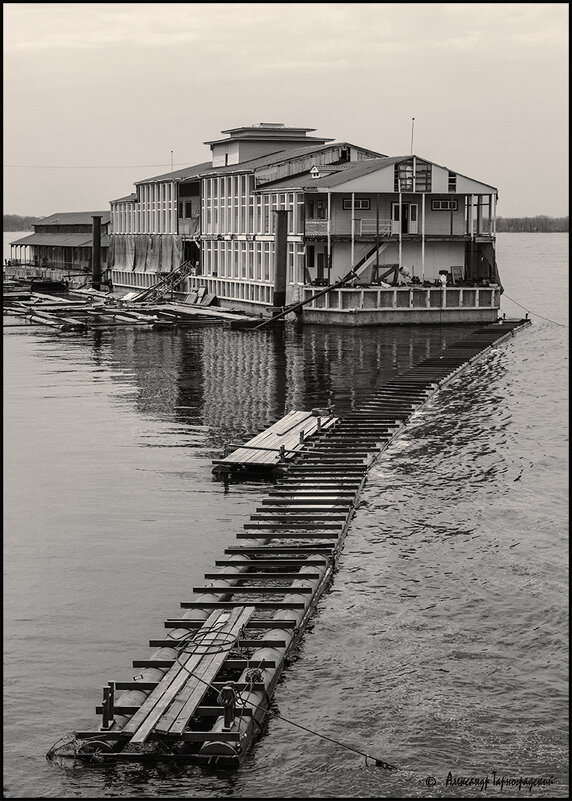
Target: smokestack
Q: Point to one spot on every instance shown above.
(280, 257)
(96, 252)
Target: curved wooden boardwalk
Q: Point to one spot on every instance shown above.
(203, 693)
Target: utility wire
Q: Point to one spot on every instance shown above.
(562, 325)
(89, 166)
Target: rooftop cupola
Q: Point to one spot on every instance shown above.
(261, 139)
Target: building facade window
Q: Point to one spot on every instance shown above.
(443, 205)
(361, 204)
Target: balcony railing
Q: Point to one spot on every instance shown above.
(402, 298)
(362, 227)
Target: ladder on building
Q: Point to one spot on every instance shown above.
(350, 276)
(166, 283)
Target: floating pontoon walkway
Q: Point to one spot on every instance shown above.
(276, 445)
(205, 690)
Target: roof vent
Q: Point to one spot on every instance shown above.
(269, 125)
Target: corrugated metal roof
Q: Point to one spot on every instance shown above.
(132, 196)
(355, 170)
(75, 218)
(179, 175)
(352, 170)
(281, 156)
(277, 157)
(61, 240)
(331, 167)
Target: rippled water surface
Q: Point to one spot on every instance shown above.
(442, 643)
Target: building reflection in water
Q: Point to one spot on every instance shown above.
(237, 382)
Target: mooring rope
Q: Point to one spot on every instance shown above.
(251, 677)
(562, 325)
(377, 761)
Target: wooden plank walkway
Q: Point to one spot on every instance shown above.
(174, 700)
(286, 563)
(278, 443)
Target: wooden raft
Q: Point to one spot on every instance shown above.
(174, 700)
(264, 450)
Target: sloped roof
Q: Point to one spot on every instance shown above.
(281, 156)
(206, 168)
(132, 196)
(61, 240)
(332, 167)
(355, 170)
(75, 218)
(178, 175)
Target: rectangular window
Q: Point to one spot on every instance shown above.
(300, 214)
(452, 182)
(266, 261)
(403, 176)
(443, 205)
(361, 203)
(243, 266)
(250, 215)
(250, 257)
(422, 176)
(266, 217)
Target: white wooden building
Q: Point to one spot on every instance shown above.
(419, 235)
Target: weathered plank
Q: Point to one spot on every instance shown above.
(169, 687)
(190, 695)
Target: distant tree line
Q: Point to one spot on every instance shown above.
(540, 224)
(15, 222)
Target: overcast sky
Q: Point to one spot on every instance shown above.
(97, 95)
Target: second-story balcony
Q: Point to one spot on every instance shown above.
(361, 227)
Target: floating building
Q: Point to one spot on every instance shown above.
(277, 216)
(62, 244)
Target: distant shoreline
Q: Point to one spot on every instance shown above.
(539, 224)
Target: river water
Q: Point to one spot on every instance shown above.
(442, 643)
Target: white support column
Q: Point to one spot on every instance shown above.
(400, 226)
(329, 236)
(353, 229)
(423, 237)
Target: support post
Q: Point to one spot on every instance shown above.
(353, 231)
(329, 224)
(423, 237)
(400, 246)
(280, 256)
(96, 252)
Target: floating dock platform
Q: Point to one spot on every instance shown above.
(93, 310)
(268, 451)
(203, 693)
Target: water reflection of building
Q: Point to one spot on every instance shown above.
(237, 382)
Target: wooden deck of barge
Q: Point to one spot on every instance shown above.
(234, 637)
